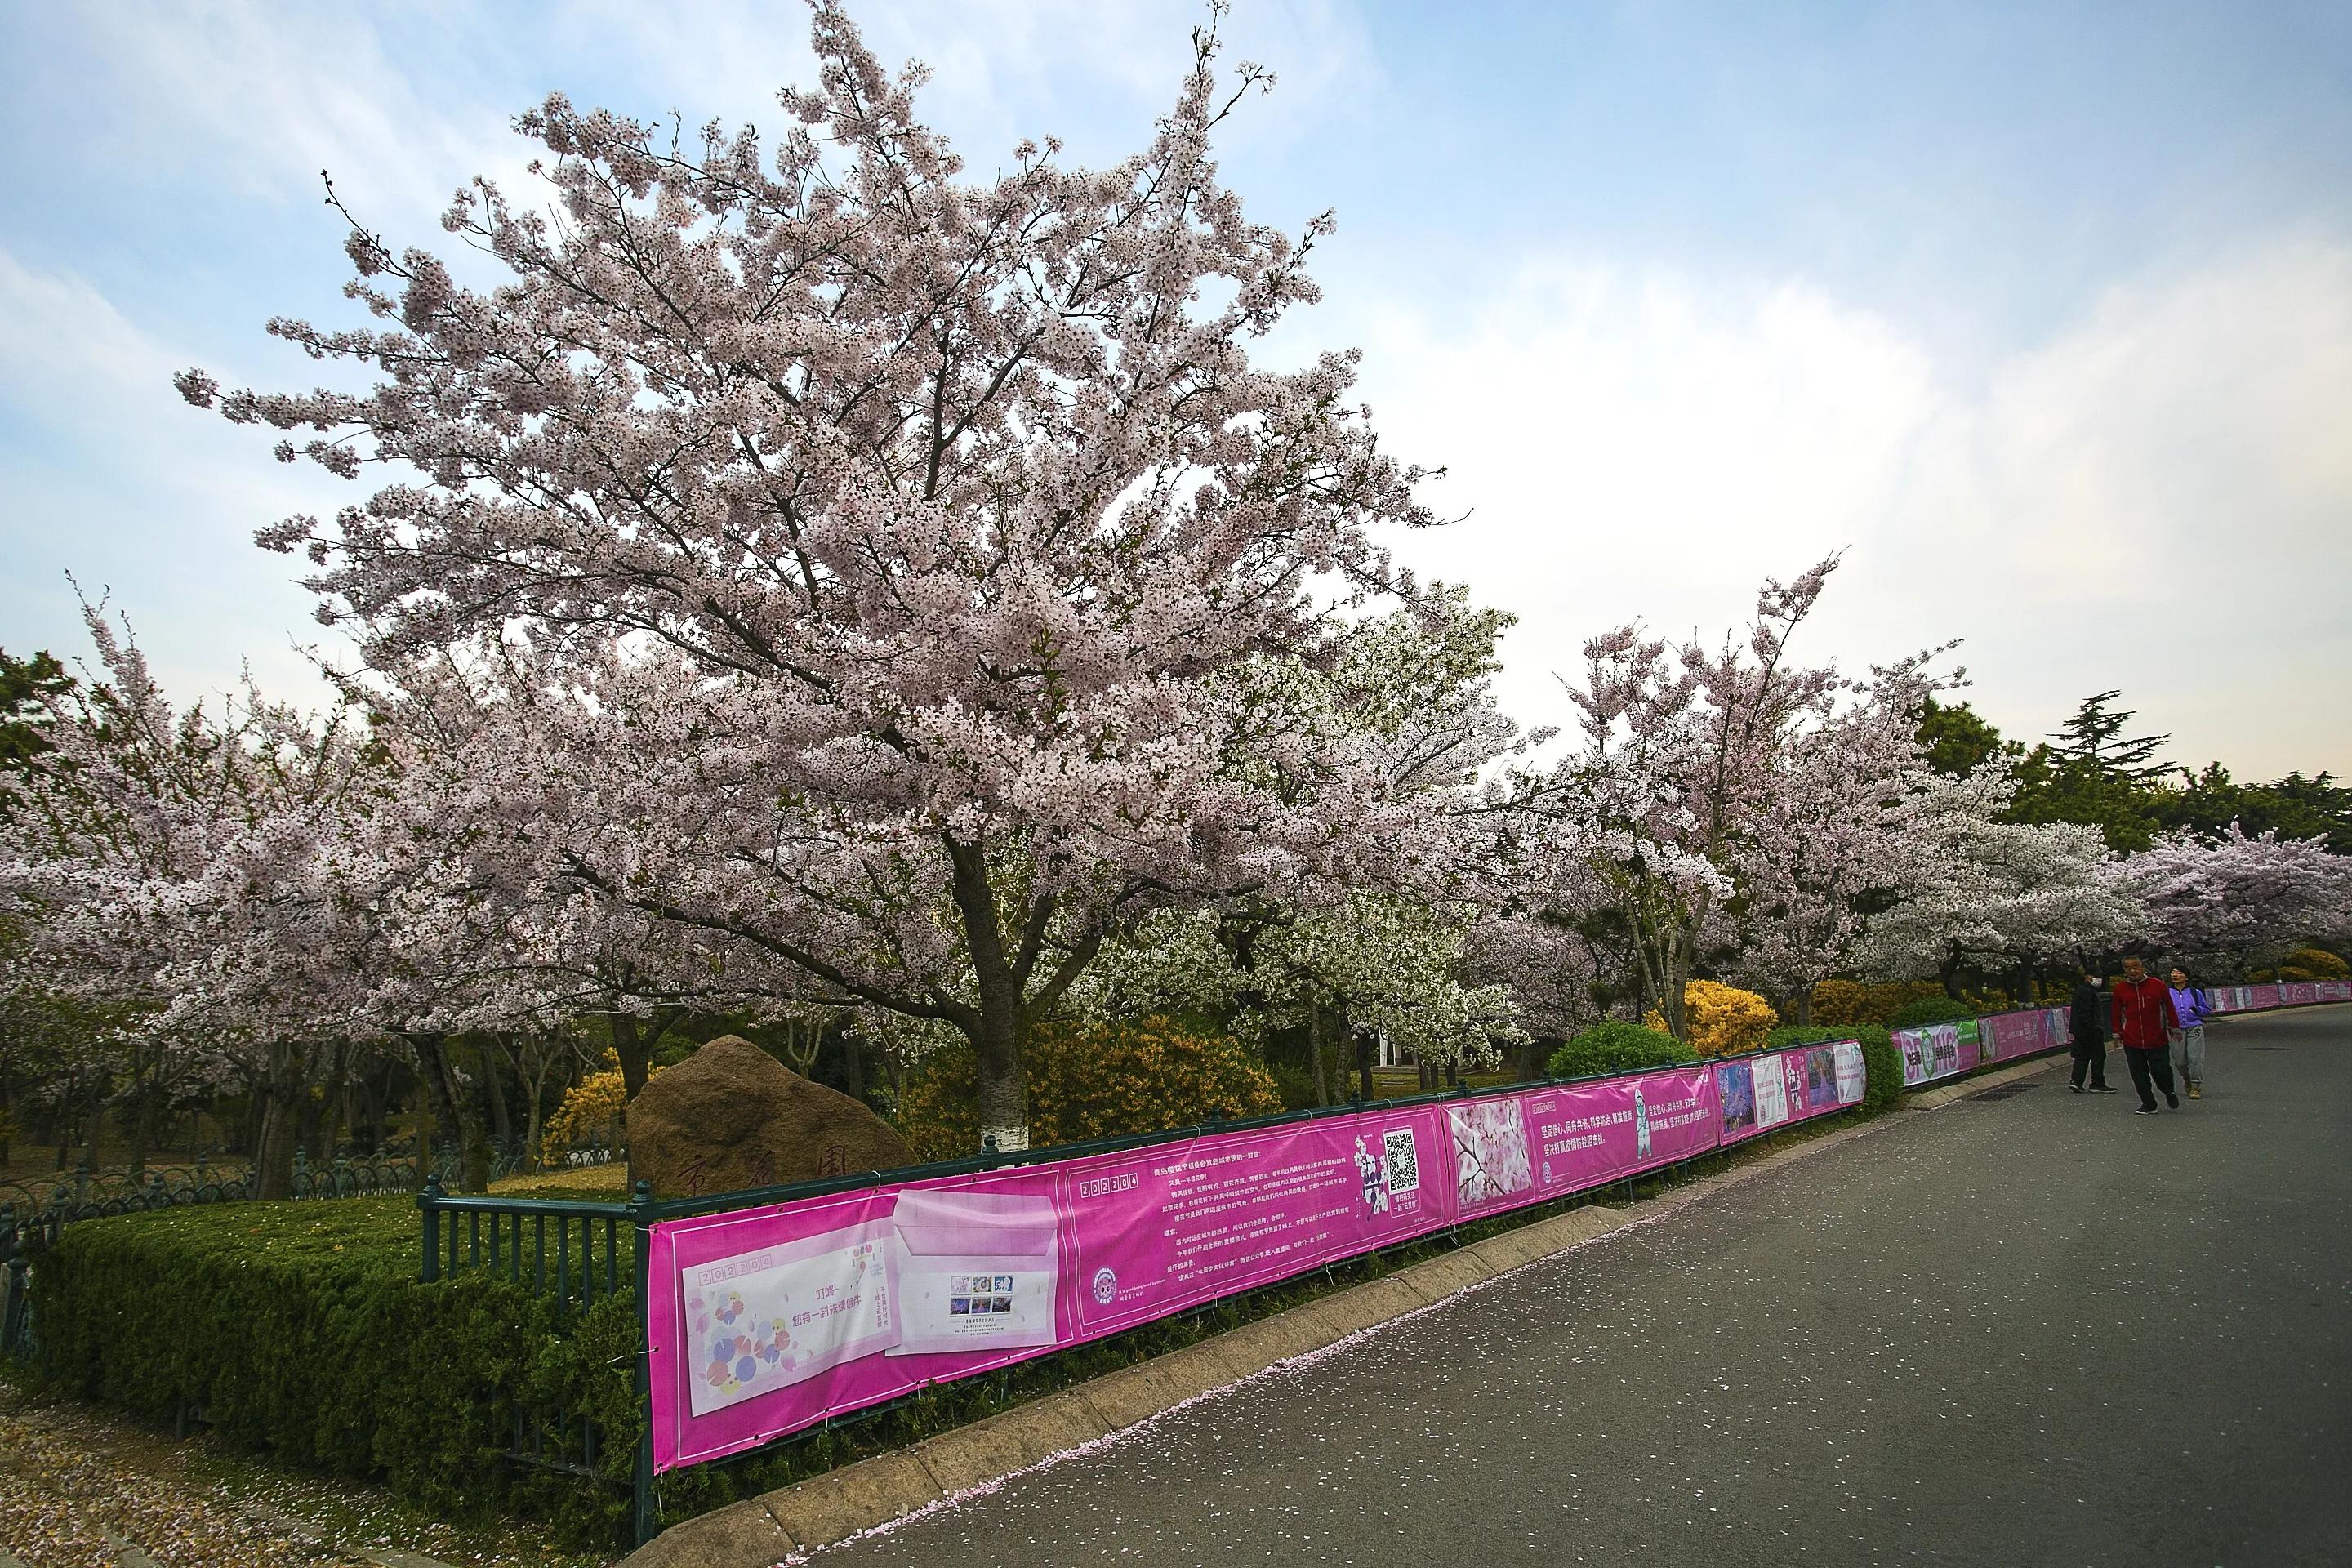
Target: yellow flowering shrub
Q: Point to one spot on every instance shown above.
(1837, 1001)
(2314, 964)
(1094, 1080)
(1723, 1019)
(590, 1109)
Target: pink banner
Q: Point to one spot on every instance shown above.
(2334, 991)
(765, 1320)
(2261, 996)
(1755, 1094)
(2007, 1035)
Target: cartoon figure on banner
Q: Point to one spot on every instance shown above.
(1369, 1170)
(1641, 1125)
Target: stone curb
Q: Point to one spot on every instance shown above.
(795, 1521)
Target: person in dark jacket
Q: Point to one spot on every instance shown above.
(2140, 1014)
(2090, 1028)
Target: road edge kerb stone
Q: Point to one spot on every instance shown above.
(795, 1522)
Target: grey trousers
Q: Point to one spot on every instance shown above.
(2188, 1053)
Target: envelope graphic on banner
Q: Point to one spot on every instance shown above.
(973, 1270)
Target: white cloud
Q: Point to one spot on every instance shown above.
(256, 100)
(1093, 72)
(110, 476)
(2155, 497)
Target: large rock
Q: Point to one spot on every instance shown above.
(730, 1116)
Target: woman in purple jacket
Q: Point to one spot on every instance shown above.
(2190, 1004)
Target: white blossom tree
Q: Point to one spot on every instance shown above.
(1688, 757)
(2241, 901)
(1992, 894)
(1838, 840)
(936, 537)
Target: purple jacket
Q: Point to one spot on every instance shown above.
(2191, 1007)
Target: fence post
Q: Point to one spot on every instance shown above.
(13, 1305)
(428, 1204)
(641, 1198)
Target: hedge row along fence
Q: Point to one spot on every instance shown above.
(584, 1363)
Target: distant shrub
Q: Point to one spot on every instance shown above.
(1094, 1080)
(1617, 1047)
(1852, 1002)
(1930, 1010)
(1723, 1020)
(2314, 964)
(591, 1111)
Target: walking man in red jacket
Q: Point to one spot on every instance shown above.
(2139, 1011)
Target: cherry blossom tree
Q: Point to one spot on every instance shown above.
(1837, 838)
(936, 537)
(1686, 755)
(1983, 892)
(2241, 901)
(170, 867)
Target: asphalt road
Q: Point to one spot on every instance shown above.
(2035, 1329)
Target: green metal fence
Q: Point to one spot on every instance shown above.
(575, 1253)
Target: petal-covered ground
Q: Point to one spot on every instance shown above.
(77, 1490)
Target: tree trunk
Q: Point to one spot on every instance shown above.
(1001, 1032)
(1003, 1092)
(142, 1112)
(1948, 971)
(1314, 1052)
(311, 1125)
(1678, 984)
(496, 1065)
(1364, 1066)
(280, 1094)
(1800, 1006)
(543, 1061)
(634, 1051)
(375, 1102)
(852, 1064)
(273, 1157)
(453, 1108)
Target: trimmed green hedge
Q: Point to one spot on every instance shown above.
(302, 1329)
(1617, 1047)
(1879, 1058)
(1931, 1010)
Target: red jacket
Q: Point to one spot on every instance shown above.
(2138, 1014)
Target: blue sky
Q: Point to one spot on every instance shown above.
(2045, 313)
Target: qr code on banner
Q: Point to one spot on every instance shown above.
(1404, 1167)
